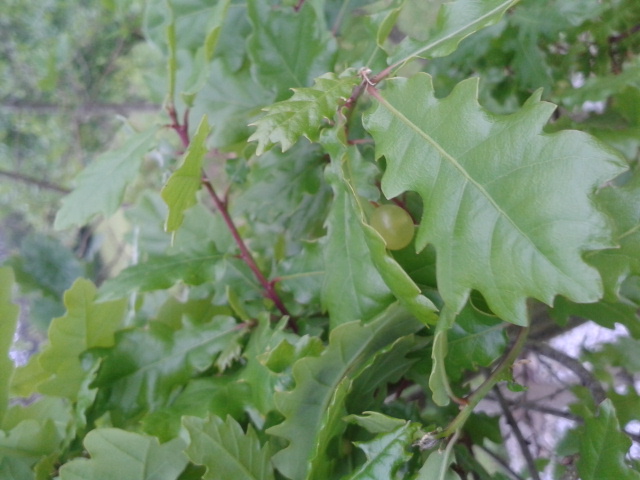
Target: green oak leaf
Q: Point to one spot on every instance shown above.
(226, 450)
(352, 289)
(475, 340)
(456, 21)
(304, 113)
(288, 48)
(315, 408)
(179, 193)
(385, 453)
(30, 433)
(603, 447)
(145, 366)
(100, 187)
(623, 204)
(117, 454)
(348, 174)
(437, 467)
(86, 324)
(494, 228)
(8, 321)
(158, 273)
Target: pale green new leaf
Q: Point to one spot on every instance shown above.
(100, 187)
(179, 193)
(603, 447)
(117, 455)
(227, 451)
(146, 365)
(87, 324)
(33, 432)
(159, 273)
(8, 320)
(385, 453)
(315, 407)
(456, 21)
(304, 113)
(508, 208)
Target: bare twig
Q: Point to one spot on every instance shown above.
(585, 376)
(524, 448)
(34, 181)
(501, 461)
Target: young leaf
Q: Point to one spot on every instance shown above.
(87, 324)
(456, 21)
(117, 454)
(159, 273)
(315, 407)
(146, 365)
(493, 228)
(226, 450)
(179, 193)
(288, 48)
(30, 433)
(304, 113)
(8, 320)
(101, 185)
(603, 447)
(385, 453)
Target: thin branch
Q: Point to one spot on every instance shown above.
(524, 448)
(487, 385)
(268, 287)
(34, 181)
(501, 461)
(586, 377)
(182, 129)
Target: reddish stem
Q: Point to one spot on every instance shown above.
(182, 129)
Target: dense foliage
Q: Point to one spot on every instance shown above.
(273, 324)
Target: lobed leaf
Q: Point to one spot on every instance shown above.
(159, 273)
(494, 228)
(385, 453)
(118, 454)
(179, 193)
(304, 113)
(456, 21)
(603, 447)
(100, 186)
(288, 48)
(145, 366)
(226, 450)
(615, 265)
(315, 407)
(86, 324)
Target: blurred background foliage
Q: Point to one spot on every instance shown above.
(71, 71)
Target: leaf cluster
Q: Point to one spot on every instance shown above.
(263, 329)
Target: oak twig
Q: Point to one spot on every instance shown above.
(524, 448)
(182, 129)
